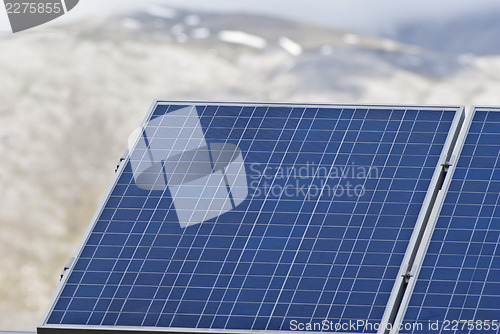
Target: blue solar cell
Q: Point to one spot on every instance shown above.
(459, 281)
(250, 217)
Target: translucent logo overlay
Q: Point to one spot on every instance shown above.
(205, 179)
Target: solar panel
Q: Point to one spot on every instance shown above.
(236, 217)
(458, 289)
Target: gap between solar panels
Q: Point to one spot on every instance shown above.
(238, 217)
(419, 242)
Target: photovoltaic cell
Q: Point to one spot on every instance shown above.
(459, 283)
(250, 217)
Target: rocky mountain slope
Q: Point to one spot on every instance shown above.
(70, 96)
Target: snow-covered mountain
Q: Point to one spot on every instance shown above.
(70, 96)
(474, 33)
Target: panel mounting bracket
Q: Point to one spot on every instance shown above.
(67, 266)
(423, 230)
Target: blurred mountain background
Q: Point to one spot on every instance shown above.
(70, 95)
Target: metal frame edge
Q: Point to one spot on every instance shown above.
(44, 328)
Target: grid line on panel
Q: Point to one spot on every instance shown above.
(93, 256)
(163, 276)
(220, 182)
(329, 205)
(204, 248)
(378, 218)
(260, 212)
(116, 261)
(291, 231)
(319, 231)
(148, 151)
(156, 208)
(185, 258)
(220, 271)
(282, 161)
(463, 261)
(384, 201)
(482, 293)
(178, 274)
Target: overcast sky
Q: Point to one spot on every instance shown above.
(372, 16)
(364, 15)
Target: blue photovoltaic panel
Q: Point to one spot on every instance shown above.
(459, 283)
(251, 217)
